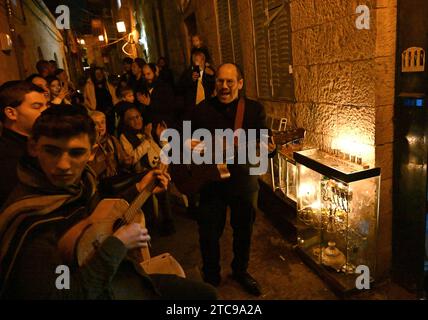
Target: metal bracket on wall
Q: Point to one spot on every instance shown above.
(413, 60)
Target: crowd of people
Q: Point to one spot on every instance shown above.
(61, 152)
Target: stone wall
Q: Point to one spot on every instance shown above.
(38, 30)
(206, 22)
(344, 83)
(386, 24)
(8, 64)
(173, 21)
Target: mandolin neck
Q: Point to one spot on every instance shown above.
(138, 202)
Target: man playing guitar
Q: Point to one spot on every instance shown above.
(240, 191)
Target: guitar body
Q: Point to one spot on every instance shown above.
(83, 239)
(191, 178)
(80, 243)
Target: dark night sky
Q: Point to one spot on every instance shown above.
(80, 11)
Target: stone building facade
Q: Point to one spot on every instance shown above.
(36, 38)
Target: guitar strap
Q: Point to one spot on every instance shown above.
(239, 117)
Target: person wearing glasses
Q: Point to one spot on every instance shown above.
(239, 192)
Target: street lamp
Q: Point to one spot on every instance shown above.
(121, 28)
(101, 38)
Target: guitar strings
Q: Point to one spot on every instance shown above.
(132, 211)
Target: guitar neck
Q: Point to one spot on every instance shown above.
(284, 137)
(141, 199)
(138, 202)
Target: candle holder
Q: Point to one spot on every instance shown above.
(337, 202)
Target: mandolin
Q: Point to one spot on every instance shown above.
(191, 178)
(81, 241)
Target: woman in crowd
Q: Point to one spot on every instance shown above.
(137, 82)
(58, 93)
(109, 158)
(68, 85)
(145, 152)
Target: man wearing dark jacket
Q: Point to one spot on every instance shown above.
(239, 192)
(56, 191)
(157, 100)
(20, 105)
(196, 83)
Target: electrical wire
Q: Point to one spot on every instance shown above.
(130, 42)
(116, 41)
(124, 51)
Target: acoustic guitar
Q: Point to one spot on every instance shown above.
(191, 178)
(81, 241)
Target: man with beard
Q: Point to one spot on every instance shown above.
(157, 100)
(239, 192)
(56, 190)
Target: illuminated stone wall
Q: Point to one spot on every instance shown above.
(344, 87)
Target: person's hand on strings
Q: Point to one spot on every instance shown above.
(159, 176)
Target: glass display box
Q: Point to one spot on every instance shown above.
(283, 171)
(337, 210)
(287, 176)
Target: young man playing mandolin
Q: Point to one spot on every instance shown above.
(56, 191)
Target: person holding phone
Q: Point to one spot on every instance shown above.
(196, 84)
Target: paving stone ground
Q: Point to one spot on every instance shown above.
(273, 263)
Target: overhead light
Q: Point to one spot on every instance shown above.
(82, 41)
(101, 37)
(121, 26)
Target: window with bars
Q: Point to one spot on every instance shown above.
(228, 25)
(272, 33)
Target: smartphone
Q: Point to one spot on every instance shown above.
(196, 69)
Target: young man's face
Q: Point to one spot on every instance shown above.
(161, 63)
(227, 84)
(196, 42)
(127, 67)
(52, 68)
(129, 97)
(42, 83)
(199, 60)
(63, 77)
(23, 117)
(136, 70)
(62, 160)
